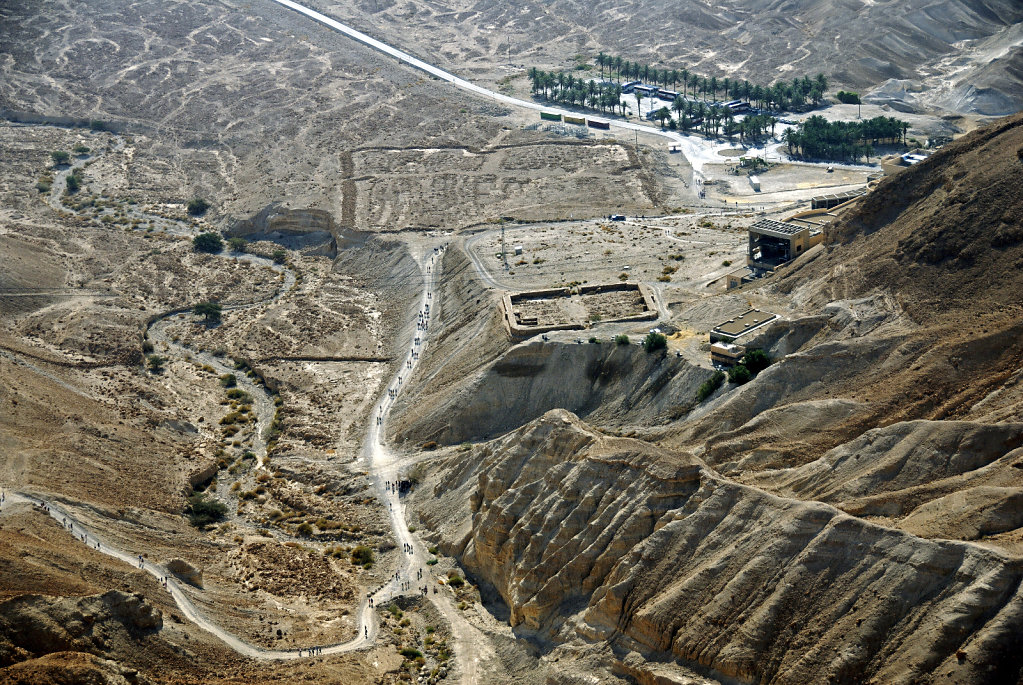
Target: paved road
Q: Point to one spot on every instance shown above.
(460, 82)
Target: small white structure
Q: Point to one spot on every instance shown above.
(518, 249)
(755, 182)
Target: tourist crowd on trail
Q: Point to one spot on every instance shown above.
(396, 487)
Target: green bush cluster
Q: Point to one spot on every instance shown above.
(208, 242)
(203, 510)
(710, 385)
(362, 555)
(197, 206)
(655, 341)
(752, 363)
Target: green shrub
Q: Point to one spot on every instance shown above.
(455, 581)
(208, 242)
(73, 183)
(280, 256)
(210, 311)
(655, 341)
(81, 149)
(595, 340)
(197, 206)
(239, 394)
(43, 187)
(155, 363)
(237, 244)
(756, 360)
(410, 653)
(709, 386)
(739, 374)
(362, 555)
(304, 529)
(621, 339)
(229, 380)
(60, 157)
(203, 510)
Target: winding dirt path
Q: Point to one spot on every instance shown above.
(471, 648)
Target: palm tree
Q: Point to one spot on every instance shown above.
(726, 84)
(532, 74)
(685, 81)
(645, 72)
(714, 87)
(662, 114)
(618, 66)
(674, 79)
(601, 60)
(678, 104)
(639, 99)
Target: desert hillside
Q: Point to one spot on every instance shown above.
(905, 47)
(338, 344)
(852, 514)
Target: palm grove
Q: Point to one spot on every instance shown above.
(693, 110)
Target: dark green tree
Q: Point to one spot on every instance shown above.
(739, 374)
(210, 311)
(655, 341)
(208, 242)
(197, 206)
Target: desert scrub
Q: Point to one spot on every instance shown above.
(203, 510)
(655, 341)
(709, 386)
(363, 555)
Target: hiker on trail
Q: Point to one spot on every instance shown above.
(366, 630)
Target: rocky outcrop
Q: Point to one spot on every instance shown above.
(305, 229)
(612, 385)
(62, 668)
(33, 625)
(595, 539)
(185, 571)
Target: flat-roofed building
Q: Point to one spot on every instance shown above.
(835, 199)
(772, 243)
(726, 354)
(744, 324)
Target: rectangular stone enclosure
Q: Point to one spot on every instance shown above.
(557, 309)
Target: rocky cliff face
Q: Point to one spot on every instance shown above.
(35, 625)
(311, 229)
(612, 385)
(591, 540)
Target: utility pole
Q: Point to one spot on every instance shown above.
(504, 253)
